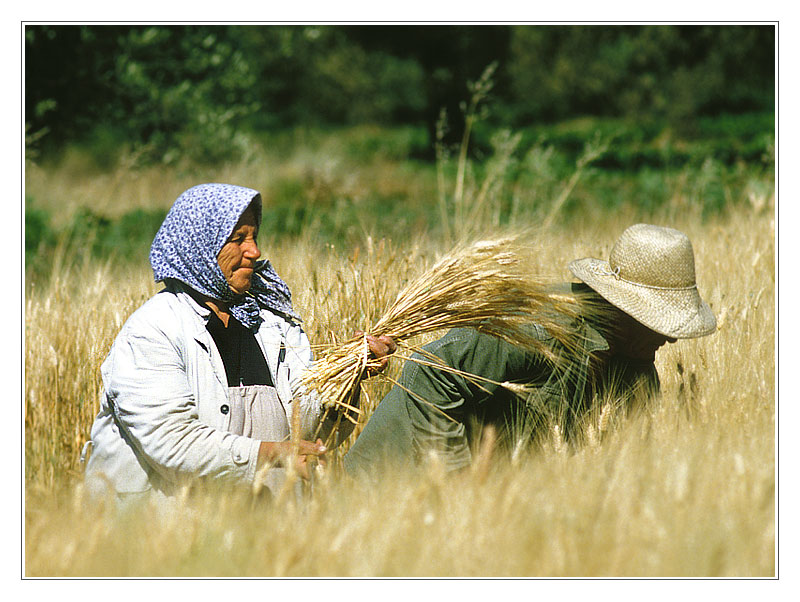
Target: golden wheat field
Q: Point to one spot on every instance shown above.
(684, 489)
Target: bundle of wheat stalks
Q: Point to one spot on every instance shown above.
(484, 286)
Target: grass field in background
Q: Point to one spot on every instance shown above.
(686, 488)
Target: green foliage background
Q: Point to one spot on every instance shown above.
(200, 90)
(681, 110)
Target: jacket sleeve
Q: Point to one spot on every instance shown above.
(441, 402)
(490, 359)
(148, 390)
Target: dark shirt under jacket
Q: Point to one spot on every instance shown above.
(242, 357)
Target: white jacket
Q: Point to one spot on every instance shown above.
(161, 421)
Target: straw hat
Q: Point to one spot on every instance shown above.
(650, 276)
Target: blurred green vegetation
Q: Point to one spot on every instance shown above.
(394, 130)
(201, 92)
(642, 166)
(87, 236)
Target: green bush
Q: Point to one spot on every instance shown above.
(199, 92)
(399, 143)
(130, 237)
(38, 232)
(90, 235)
(286, 212)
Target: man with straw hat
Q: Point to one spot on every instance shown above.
(645, 295)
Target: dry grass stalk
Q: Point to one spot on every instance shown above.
(482, 463)
(559, 445)
(482, 286)
(605, 418)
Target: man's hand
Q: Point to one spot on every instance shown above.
(380, 348)
(280, 453)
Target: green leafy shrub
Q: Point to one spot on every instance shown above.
(38, 232)
(89, 235)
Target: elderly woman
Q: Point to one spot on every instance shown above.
(203, 380)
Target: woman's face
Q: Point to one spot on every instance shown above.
(239, 254)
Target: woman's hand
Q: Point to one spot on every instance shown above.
(281, 453)
(380, 348)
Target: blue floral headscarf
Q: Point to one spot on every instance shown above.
(192, 235)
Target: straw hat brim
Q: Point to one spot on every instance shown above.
(676, 313)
